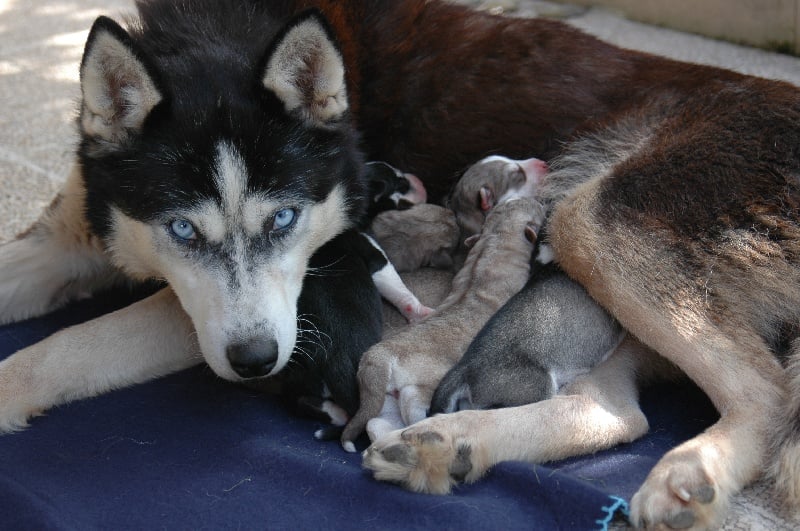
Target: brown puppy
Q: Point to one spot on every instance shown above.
(423, 236)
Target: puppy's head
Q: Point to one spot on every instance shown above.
(479, 189)
(392, 189)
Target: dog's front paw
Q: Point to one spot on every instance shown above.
(424, 457)
(679, 493)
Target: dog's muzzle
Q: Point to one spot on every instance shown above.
(253, 358)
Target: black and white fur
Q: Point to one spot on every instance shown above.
(340, 312)
(392, 189)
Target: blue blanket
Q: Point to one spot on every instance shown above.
(190, 451)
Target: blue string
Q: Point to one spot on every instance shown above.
(618, 505)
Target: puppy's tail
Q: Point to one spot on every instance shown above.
(452, 394)
(374, 372)
(785, 468)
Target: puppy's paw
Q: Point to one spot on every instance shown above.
(679, 493)
(423, 458)
(418, 314)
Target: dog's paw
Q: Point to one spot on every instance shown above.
(679, 493)
(423, 458)
(14, 418)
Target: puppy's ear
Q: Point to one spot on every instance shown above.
(469, 242)
(119, 89)
(487, 199)
(305, 70)
(531, 232)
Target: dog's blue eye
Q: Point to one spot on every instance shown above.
(284, 219)
(183, 229)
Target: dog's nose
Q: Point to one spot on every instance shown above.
(253, 358)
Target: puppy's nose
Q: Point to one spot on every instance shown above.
(253, 358)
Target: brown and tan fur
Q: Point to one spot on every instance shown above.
(411, 363)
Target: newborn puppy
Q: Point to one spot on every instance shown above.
(423, 236)
(476, 192)
(544, 337)
(392, 189)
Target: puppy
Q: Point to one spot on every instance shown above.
(424, 236)
(545, 336)
(477, 190)
(391, 189)
(409, 364)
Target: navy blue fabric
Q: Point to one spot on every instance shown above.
(190, 451)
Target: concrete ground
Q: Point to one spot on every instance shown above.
(41, 43)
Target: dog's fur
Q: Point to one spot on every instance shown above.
(423, 236)
(408, 365)
(674, 203)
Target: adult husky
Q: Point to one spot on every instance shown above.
(221, 147)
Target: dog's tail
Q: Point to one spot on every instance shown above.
(452, 394)
(785, 468)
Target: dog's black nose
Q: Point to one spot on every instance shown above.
(253, 358)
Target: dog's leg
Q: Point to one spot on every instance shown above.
(673, 292)
(56, 260)
(601, 410)
(388, 420)
(150, 338)
(691, 486)
(374, 377)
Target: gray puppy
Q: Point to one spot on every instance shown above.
(539, 341)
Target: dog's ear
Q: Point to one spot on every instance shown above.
(531, 232)
(118, 88)
(486, 199)
(470, 241)
(305, 70)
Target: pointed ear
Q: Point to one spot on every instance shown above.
(305, 69)
(118, 89)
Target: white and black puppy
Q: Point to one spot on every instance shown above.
(392, 189)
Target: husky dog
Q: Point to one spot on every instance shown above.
(221, 145)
